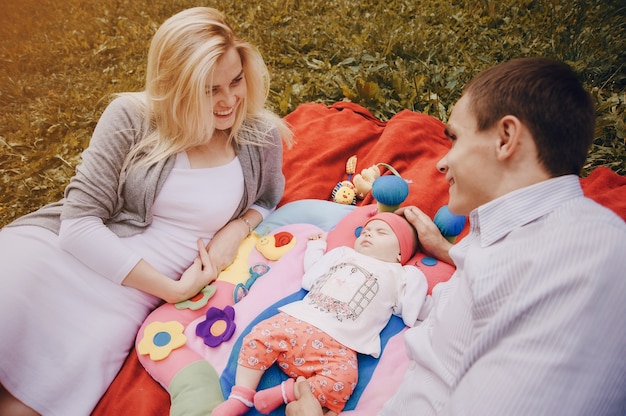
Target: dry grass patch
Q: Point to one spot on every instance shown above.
(61, 61)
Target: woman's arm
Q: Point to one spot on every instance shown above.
(92, 198)
(94, 188)
(145, 277)
(90, 241)
(224, 246)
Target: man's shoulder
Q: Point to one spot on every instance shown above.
(584, 212)
(586, 230)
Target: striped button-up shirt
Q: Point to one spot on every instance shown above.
(533, 322)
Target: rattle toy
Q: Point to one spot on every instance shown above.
(448, 223)
(389, 191)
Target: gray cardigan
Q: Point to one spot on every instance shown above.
(124, 199)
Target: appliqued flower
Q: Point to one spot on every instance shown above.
(198, 301)
(161, 338)
(218, 327)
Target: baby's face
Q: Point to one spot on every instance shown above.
(378, 240)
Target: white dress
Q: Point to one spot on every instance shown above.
(65, 330)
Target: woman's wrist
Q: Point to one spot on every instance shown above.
(250, 219)
(247, 223)
(146, 278)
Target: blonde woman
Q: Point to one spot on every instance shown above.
(174, 178)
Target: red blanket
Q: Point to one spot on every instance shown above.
(326, 137)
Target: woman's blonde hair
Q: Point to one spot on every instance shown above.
(181, 61)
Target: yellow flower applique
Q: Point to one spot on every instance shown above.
(161, 338)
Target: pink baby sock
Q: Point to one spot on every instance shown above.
(238, 403)
(269, 399)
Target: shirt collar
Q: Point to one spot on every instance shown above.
(497, 218)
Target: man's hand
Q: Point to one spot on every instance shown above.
(432, 242)
(305, 404)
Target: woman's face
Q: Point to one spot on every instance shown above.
(228, 89)
(378, 240)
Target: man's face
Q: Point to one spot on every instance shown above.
(470, 165)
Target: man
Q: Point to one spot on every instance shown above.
(531, 323)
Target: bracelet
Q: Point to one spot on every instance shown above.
(244, 219)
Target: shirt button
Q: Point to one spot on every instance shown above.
(412, 365)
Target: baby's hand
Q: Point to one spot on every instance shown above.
(317, 236)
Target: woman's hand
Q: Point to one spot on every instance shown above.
(197, 276)
(305, 404)
(224, 245)
(430, 238)
(146, 278)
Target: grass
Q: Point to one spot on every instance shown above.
(61, 61)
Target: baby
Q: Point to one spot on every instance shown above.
(352, 294)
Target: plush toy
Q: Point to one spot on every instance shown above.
(363, 181)
(274, 246)
(344, 193)
(359, 185)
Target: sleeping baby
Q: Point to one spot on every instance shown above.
(352, 294)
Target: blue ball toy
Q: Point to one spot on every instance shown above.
(448, 223)
(389, 191)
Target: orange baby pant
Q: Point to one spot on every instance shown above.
(301, 349)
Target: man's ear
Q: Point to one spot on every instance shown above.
(509, 131)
